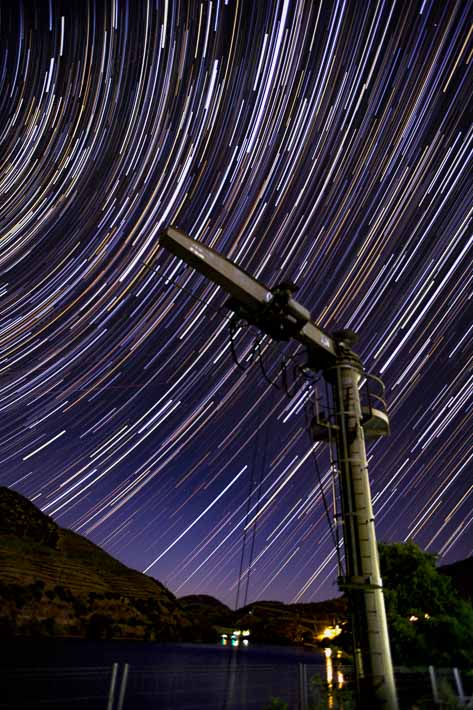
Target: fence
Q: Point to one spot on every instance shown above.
(225, 687)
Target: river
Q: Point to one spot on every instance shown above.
(70, 674)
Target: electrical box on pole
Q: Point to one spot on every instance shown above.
(277, 314)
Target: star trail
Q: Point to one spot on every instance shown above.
(325, 143)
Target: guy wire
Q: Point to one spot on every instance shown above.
(319, 477)
(334, 470)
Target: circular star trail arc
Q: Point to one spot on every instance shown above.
(312, 141)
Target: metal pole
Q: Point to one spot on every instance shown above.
(303, 694)
(459, 684)
(113, 681)
(363, 585)
(121, 697)
(433, 683)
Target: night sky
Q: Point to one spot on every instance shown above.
(328, 143)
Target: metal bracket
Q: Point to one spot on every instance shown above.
(357, 582)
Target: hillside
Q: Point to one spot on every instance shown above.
(210, 616)
(293, 624)
(269, 622)
(56, 582)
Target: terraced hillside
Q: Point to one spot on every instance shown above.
(56, 582)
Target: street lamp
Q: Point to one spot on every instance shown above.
(276, 313)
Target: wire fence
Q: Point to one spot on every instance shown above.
(62, 687)
(225, 687)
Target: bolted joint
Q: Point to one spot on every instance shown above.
(346, 359)
(359, 583)
(345, 338)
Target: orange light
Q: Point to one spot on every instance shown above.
(330, 632)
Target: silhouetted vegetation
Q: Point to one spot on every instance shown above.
(429, 622)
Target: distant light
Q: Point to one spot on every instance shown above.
(330, 632)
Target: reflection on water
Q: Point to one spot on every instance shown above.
(233, 641)
(329, 674)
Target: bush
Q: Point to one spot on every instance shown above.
(99, 626)
(331, 697)
(7, 627)
(276, 704)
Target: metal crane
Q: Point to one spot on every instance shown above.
(275, 312)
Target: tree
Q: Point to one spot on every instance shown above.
(428, 622)
(99, 626)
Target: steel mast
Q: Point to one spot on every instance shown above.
(276, 313)
(362, 582)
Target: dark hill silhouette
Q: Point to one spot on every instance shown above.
(210, 616)
(295, 624)
(20, 517)
(204, 604)
(461, 574)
